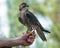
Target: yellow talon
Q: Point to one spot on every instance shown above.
(30, 33)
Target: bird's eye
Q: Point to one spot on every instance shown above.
(24, 6)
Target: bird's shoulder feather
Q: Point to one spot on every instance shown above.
(33, 19)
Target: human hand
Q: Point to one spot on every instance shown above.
(27, 39)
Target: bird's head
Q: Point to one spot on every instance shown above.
(23, 6)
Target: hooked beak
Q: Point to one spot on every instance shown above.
(27, 5)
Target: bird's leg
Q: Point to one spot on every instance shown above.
(29, 29)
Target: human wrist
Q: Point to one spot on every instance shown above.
(19, 41)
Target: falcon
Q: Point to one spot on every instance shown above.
(28, 19)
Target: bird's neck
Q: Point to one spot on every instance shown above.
(23, 11)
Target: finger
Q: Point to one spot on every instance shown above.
(31, 37)
(30, 40)
(25, 35)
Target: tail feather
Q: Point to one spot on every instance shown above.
(40, 33)
(46, 31)
(43, 29)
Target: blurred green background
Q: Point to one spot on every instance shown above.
(47, 12)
